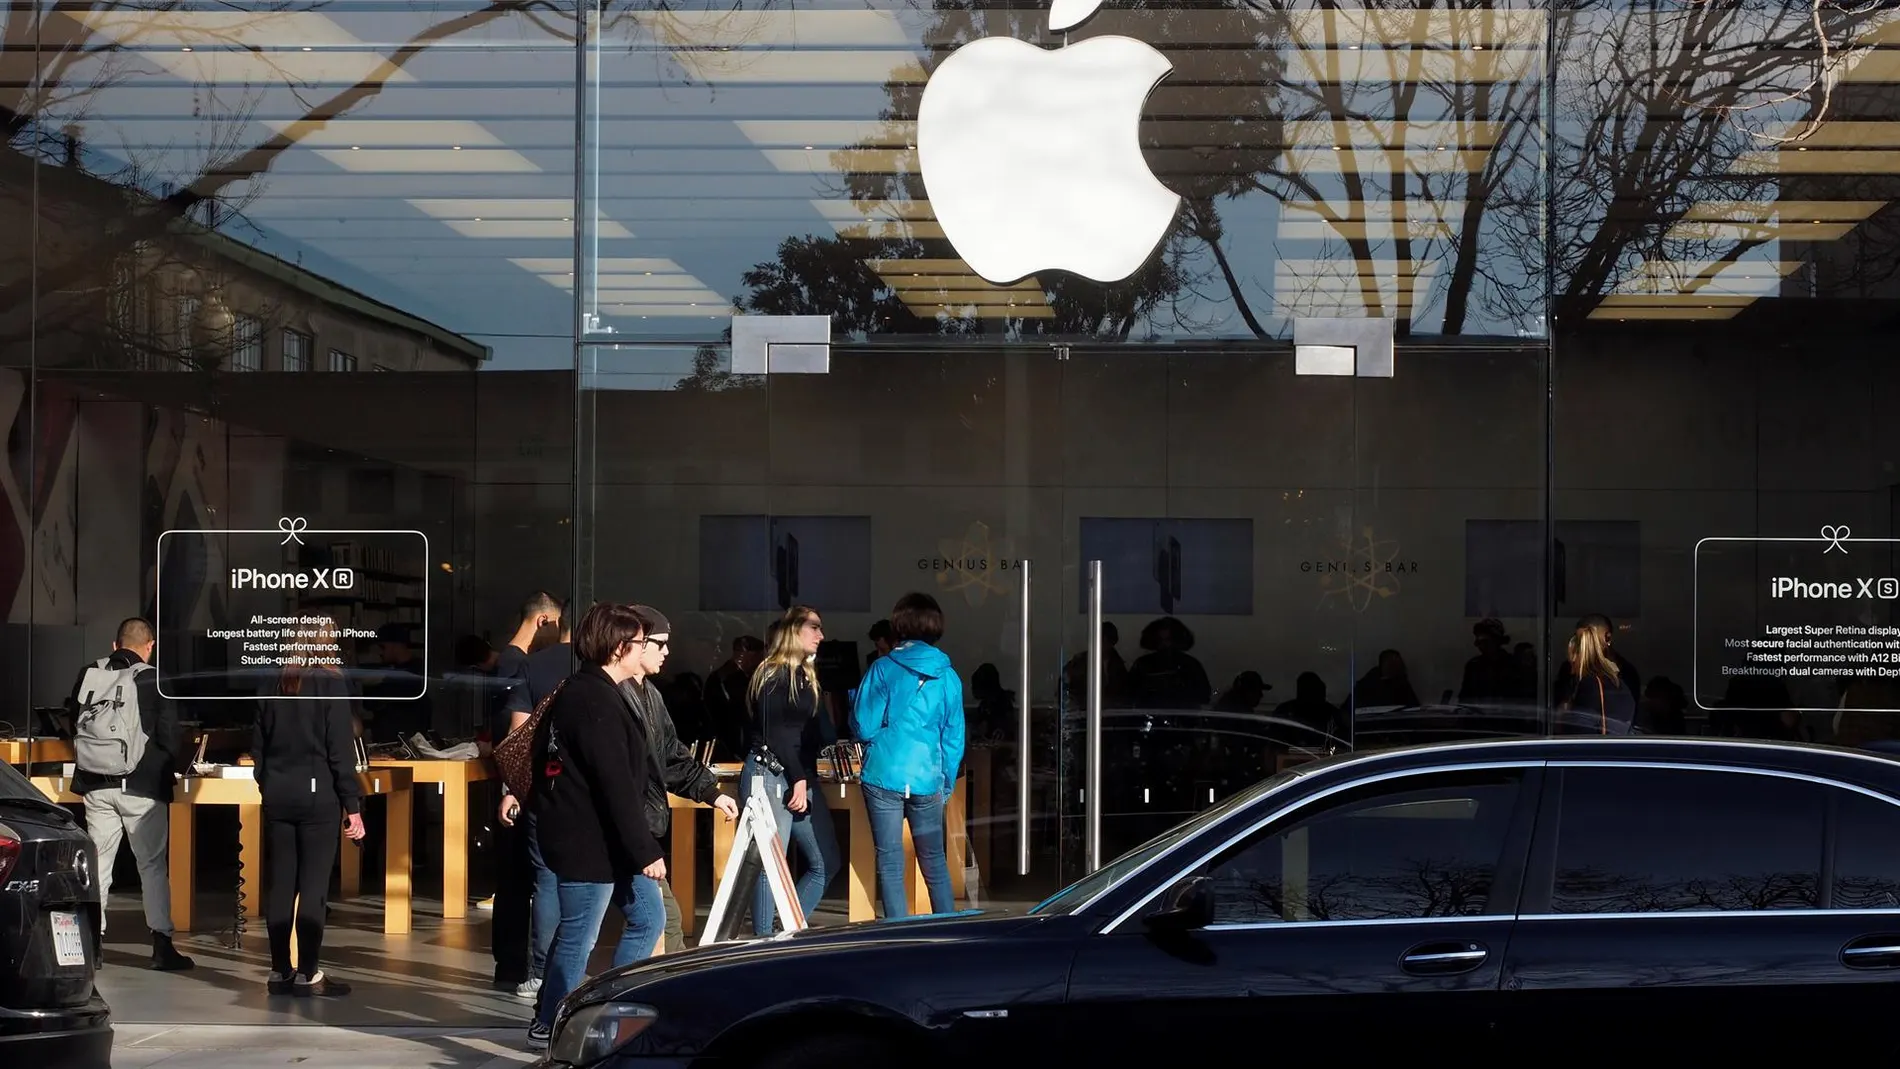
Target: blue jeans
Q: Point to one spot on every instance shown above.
(547, 904)
(582, 905)
(888, 810)
(810, 830)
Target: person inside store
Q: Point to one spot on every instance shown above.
(304, 751)
(1601, 700)
(1566, 682)
(519, 936)
(127, 800)
(398, 680)
(589, 799)
(675, 769)
(725, 698)
(909, 714)
(784, 738)
(1168, 676)
(882, 640)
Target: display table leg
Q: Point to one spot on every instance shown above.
(397, 861)
(184, 854)
(349, 860)
(454, 848)
(251, 858)
(956, 840)
(680, 868)
(863, 877)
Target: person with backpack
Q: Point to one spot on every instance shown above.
(909, 714)
(124, 750)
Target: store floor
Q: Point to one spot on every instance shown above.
(439, 975)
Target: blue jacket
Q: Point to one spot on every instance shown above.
(909, 713)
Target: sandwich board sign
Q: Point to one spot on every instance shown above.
(755, 849)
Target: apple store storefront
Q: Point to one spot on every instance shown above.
(1340, 360)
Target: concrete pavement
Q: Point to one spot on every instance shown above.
(141, 1046)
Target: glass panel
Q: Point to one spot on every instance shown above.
(1724, 245)
(1305, 162)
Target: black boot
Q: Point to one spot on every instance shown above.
(166, 958)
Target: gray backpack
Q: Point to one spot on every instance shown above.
(109, 735)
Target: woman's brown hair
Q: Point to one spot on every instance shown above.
(605, 633)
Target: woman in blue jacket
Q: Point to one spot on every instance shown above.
(909, 713)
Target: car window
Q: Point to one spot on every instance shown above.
(1421, 847)
(1649, 840)
(1086, 889)
(1866, 863)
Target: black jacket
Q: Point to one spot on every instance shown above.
(153, 777)
(305, 749)
(788, 727)
(674, 769)
(591, 816)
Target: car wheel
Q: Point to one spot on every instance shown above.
(830, 1051)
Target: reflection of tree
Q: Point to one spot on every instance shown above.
(1281, 107)
(1594, 890)
(1408, 887)
(1667, 121)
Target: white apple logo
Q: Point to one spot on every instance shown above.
(1031, 158)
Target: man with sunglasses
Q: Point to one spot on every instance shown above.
(675, 769)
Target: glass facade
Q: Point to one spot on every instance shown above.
(471, 270)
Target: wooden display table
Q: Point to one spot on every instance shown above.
(860, 866)
(59, 789)
(452, 780)
(394, 783)
(38, 751)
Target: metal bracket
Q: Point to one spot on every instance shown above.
(1361, 347)
(781, 345)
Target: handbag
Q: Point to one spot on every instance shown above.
(514, 755)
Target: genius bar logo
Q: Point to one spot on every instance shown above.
(1887, 589)
(314, 579)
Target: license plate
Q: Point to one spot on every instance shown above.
(69, 939)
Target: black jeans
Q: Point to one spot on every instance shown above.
(509, 932)
(301, 850)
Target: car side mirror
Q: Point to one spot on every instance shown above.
(1191, 909)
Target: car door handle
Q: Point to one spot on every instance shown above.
(1872, 952)
(1438, 959)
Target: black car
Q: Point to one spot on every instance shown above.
(50, 1013)
(1624, 898)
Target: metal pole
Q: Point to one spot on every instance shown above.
(1022, 737)
(1092, 798)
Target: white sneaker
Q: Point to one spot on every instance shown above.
(539, 1036)
(528, 990)
(486, 905)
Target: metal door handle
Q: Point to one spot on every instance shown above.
(1872, 952)
(1444, 958)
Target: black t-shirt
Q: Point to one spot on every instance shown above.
(545, 670)
(511, 673)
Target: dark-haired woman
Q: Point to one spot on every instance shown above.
(589, 807)
(909, 712)
(304, 749)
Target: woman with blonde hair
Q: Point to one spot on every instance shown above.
(1600, 700)
(783, 740)
(304, 749)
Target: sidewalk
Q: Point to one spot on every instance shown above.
(140, 1046)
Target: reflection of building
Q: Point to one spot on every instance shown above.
(183, 294)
